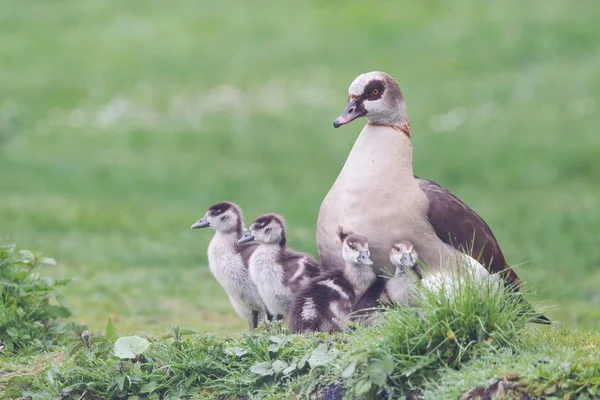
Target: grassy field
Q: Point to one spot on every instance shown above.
(121, 122)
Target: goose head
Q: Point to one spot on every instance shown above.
(355, 249)
(224, 217)
(376, 96)
(267, 229)
(404, 257)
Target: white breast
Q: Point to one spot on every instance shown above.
(401, 290)
(376, 195)
(359, 278)
(267, 274)
(228, 268)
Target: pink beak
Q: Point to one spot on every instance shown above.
(354, 109)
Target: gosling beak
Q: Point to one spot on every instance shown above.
(354, 109)
(201, 223)
(246, 238)
(407, 260)
(364, 259)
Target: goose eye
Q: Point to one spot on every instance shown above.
(375, 92)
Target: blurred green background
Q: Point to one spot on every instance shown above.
(121, 122)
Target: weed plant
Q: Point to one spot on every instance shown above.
(32, 313)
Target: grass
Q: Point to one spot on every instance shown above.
(563, 364)
(402, 352)
(120, 124)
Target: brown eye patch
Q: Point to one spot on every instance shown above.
(374, 90)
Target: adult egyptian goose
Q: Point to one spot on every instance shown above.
(377, 195)
(325, 304)
(228, 260)
(277, 271)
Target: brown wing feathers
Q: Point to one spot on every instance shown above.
(459, 226)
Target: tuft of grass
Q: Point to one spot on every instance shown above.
(450, 326)
(32, 313)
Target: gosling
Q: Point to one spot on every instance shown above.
(277, 271)
(326, 303)
(228, 260)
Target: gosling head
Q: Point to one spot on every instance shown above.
(404, 257)
(355, 249)
(376, 96)
(268, 229)
(224, 217)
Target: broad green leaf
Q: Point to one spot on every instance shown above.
(58, 312)
(235, 351)
(321, 356)
(12, 332)
(379, 369)
(120, 381)
(148, 387)
(550, 389)
(111, 332)
(303, 360)
(130, 347)
(278, 338)
(279, 366)
(75, 348)
(262, 369)
(277, 342)
(291, 368)
(362, 387)
(61, 300)
(273, 347)
(50, 377)
(349, 371)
